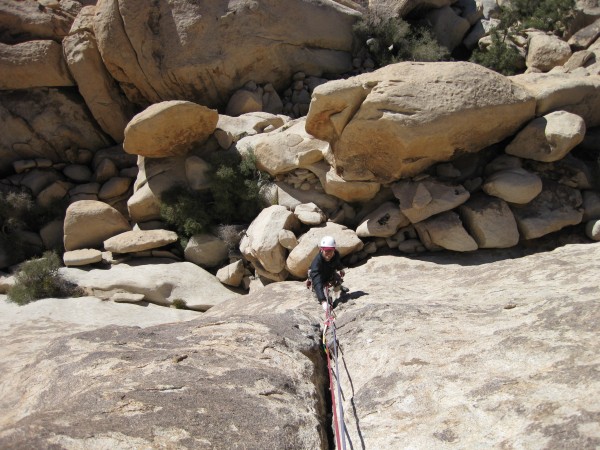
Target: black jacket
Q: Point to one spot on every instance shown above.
(322, 272)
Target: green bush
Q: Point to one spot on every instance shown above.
(233, 197)
(499, 56)
(546, 15)
(39, 278)
(389, 40)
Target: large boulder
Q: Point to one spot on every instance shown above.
(88, 223)
(33, 64)
(169, 128)
(158, 50)
(546, 51)
(399, 120)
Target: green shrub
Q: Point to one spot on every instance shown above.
(499, 56)
(39, 278)
(233, 197)
(546, 15)
(179, 303)
(389, 40)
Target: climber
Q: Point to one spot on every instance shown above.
(324, 269)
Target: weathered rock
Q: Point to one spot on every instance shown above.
(447, 26)
(107, 103)
(246, 125)
(546, 51)
(349, 191)
(574, 93)
(197, 173)
(310, 214)
(383, 222)
(290, 198)
(231, 274)
(114, 187)
(556, 207)
(515, 185)
(162, 281)
(261, 245)
(490, 222)
(513, 329)
(401, 8)
(422, 199)
(548, 138)
(33, 64)
(206, 250)
(169, 128)
(169, 59)
(89, 223)
(82, 257)
(591, 205)
(592, 230)
(34, 126)
(139, 240)
(285, 149)
(445, 231)
(379, 132)
(583, 38)
(288, 239)
(28, 20)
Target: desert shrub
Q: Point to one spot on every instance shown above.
(179, 303)
(547, 15)
(389, 40)
(499, 56)
(233, 197)
(230, 234)
(39, 278)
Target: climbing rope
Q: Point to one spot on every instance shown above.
(340, 429)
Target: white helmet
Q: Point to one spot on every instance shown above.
(327, 241)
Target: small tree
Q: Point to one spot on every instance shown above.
(499, 56)
(39, 278)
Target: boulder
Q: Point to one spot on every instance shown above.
(284, 149)
(379, 131)
(247, 125)
(548, 138)
(261, 244)
(422, 199)
(592, 230)
(447, 26)
(383, 222)
(114, 187)
(89, 223)
(556, 207)
(34, 125)
(514, 185)
(231, 274)
(206, 250)
(577, 94)
(82, 257)
(445, 231)
(139, 240)
(401, 8)
(585, 37)
(310, 214)
(162, 281)
(102, 95)
(290, 197)
(288, 239)
(489, 221)
(546, 51)
(33, 64)
(591, 205)
(29, 20)
(158, 51)
(169, 128)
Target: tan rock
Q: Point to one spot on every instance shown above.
(261, 244)
(107, 104)
(169, 128)
(447, 26)
(291, 197)
(170, 59)
(206, 250)
(380, 132)
(232, 274)
(244, 101)
(197, 173)
(27, 21)
(401, 8)
(310, 214)
(288, 239)
(513, 185)
(285, 149)
(445, 231)
(383, 222)
(546, 51)
(548, 138)
(114, 187)
(127, 297)
(33, 64)
(592, 230)
(82, 257)
(490, 222)
(556, 207)
(583, 38)
(577, 94)
(422, 199)
(139, 240)
(89, 223)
